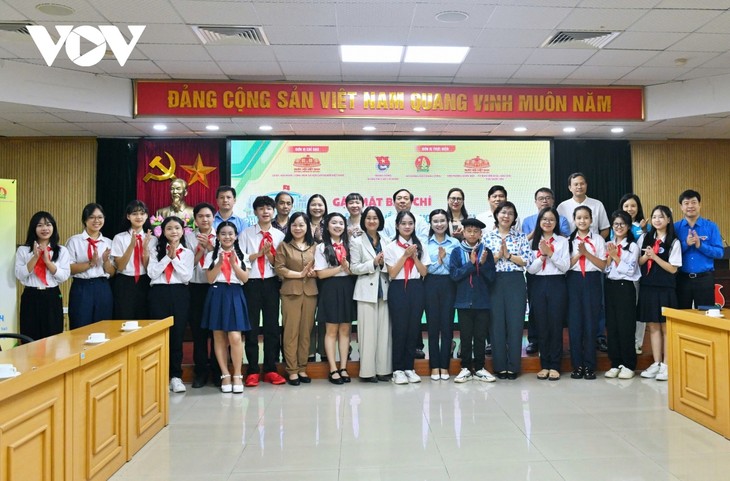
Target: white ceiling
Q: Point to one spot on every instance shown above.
(504, 35)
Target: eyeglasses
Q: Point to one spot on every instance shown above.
(548, 221)
(95, 217)
(619, 225)
(544, 199)
(456, 199)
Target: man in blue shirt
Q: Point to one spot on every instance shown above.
(544, 197)
(225, 197)
(701, 245)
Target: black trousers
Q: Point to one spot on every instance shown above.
(700, 290)
(41, 312)
(405, 306)
(440, 292)
(262, 297)
(130, 298)
(548, 306)
(621, 322)
(473, 328)
(201, 355)
(584, 308)
(172, 300)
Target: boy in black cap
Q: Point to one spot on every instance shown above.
(472, 267)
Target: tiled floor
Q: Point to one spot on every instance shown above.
(510, 430)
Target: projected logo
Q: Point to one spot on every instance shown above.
(3, 193)
(382, 163)
(306, 164)
(476, 165)
(99, 38)
(423, 163)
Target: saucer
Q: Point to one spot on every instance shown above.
(721, 315)
(93, 343)
(11, 376)
(130, 329)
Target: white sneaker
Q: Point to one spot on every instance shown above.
(638, 349)
(412, 377)
(484, 375)
(651, 371)
(625, 372)
(399, 377)
(463, 376)
(613, 372)
(176, 385)
(444, 376)
(663, 373)
(435, 377)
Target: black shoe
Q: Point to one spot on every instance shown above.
(512, 375)
(293, 382)
(578, 373)
(311, 358)
(601, 345)
(420, 354)
(488, 350)
(337, 380)
(342, 375)
(531, 348)
(502, 374)
(589, 374)
(305, 379)
(216, 379)
(200, 380)
(322, 358)
(384, 377)
(369, 379)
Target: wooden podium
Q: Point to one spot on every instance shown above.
(80, 411)
(698, 355)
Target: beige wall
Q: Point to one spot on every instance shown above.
(57, 175)
(662, 170)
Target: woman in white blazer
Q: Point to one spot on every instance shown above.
(371, 294)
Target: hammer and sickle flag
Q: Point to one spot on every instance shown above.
(168, 172)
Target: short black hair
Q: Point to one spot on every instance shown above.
(689, 194)
(203, 205)
(283, 192)
(546, 190)
(410, 194)
(496, 188)
(354, 196)
(576, 174)
(88, 210)
(381, 219)
(263, 201)
(225, 188)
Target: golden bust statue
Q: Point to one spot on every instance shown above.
(178, 207)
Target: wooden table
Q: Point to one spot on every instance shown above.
(698, 348)
(80, 411)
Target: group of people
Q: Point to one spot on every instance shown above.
(572, 262)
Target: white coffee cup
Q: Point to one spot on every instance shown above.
(713, 312)
(7, 370)
(131, 325)
(96, 337)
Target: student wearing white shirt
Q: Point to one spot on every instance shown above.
(90, 299)
(587, 262)
(407, 261)
(41, 264)
(622, 273)
(170, 268)
(547, 290)
(130, 254)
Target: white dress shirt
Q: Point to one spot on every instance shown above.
(392, 252)
(78, 250)
(191, 240)
(30, 279)
(182, 267)
(119, 246)
(250, 242)
(558, 264)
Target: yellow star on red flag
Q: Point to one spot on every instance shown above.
(198, 172)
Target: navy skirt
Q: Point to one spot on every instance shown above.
(225, 308)
(335, 304)
(651, 301)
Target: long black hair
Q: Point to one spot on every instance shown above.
(464, 213)
(431, 216)
(537, 235)
(31, 238)
(163, 242)
(308, 237)
(324, 201)
(217, 246)
(414, 237)
(381, 219)
(626, 218)
(329, 251)
(650, 236)
(575, 231)
(639, 208)
(132, 207)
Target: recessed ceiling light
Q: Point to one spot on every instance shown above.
(371, 53)
(212, 128)
(419, 129)
(617, 130)
(54, 9)
(452, 16)
(435, 54)
(569, 130)
(160, 127)
(520, 129)
(368, 128)
(266, 128)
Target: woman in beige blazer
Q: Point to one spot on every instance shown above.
(371, 293)
(294, 264)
